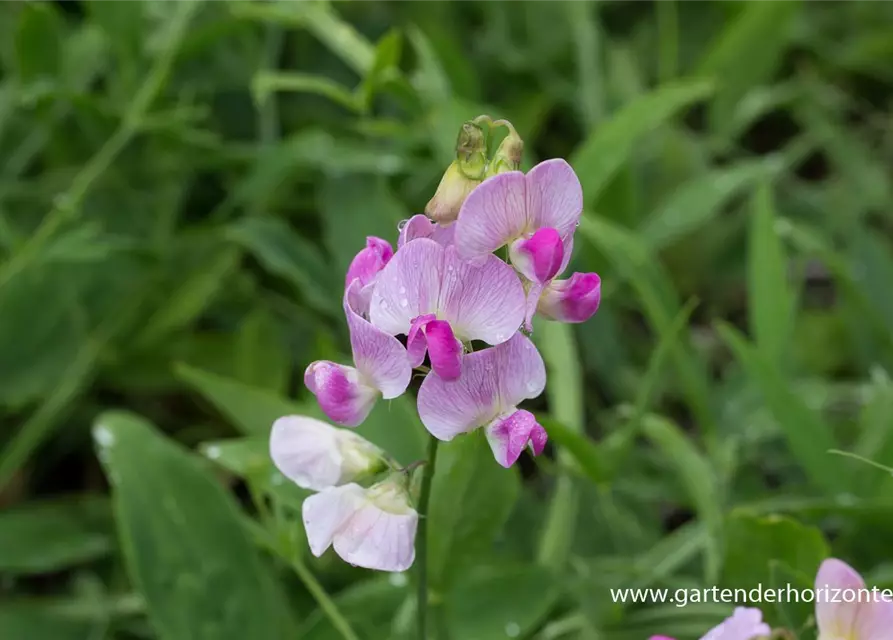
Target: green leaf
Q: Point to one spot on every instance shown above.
(288, 255)
(760, 548)
(36, 621)
(39, 38)
(184, 544)
(875, 440)
(250, 409)
(699, 481)
(464, 519)
(808, 436)
(269, 82)
(565, 391)
(260, 356)
(771, 301)
(611, 144)
(696, 202)
(39, 537)
(747, 54)
(394, 426)
(493, 603)
(586, 453)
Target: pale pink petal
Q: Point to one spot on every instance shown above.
(743, 624)
(408, 286)
(324, 513)
(341, 391)
(539, 257)
(519, 369)
(836, 618)
(368, 262)
(379, 356)
(484, 302)
(493, 215)
(573, 300)
(448, 408)
(533, 297)
(661, 638)
(508, 435)
(444, 349)
(306, 451)
(554, 196)
(420, 226)
(377, 539)
(416, 342)
(876, 618)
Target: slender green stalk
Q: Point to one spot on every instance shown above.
(326, 605)
(424, 497)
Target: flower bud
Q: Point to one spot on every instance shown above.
(508, 154)
(461, 177)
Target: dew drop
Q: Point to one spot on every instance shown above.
(404, 302)
(531, 387)
(398, 580)
(383, 305)
(402, 224)
(402, 289)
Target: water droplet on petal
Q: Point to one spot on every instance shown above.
(404, 302)
(402, 224)
(531, 387)
(402, 289)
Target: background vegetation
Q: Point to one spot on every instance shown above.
(183, 185)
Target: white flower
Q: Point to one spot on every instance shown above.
(315, 455)
(372, 528)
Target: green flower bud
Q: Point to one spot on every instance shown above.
(461, 177)
(508, 154)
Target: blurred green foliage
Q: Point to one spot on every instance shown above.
(182, 186)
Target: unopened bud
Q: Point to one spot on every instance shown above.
(461, 177)
(508, 154)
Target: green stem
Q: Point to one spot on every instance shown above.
(424, 497)
(328, 607)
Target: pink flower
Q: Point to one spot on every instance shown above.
(573, 300)
(346, 394)
(492, 383)
(438, 300)
(535, 214)
(866, 617)
(420, 226)
(365, 267)
(743, 624)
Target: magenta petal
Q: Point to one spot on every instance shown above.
(554, 196)
(378, 356)
(573, 300)
(408, 286)
(661, 638)
(420, 226)
(493, 215)
(540, 256)
(416, 342)
(538, 439)
(508, 435)
(484, 302)
(368, 262)
(341, 394)
(443, 348)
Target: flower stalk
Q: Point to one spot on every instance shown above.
(422, 542)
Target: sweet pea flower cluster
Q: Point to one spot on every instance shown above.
(443, 297)
(845, 610)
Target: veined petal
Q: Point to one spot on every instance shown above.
(493, 215)
(444, 349)
(420, 226)
(838, 619)
(554, 196)
(875, 619)
(341, 391)
(492, 381)
(315, 455)
(368, 262)
(326, 512)
(379, 356)
(519, 369)
(534, 291)
(416, 342)
(508, 435)
(539, 257)
(573, 300)
(408, 286)
(484, 302)
(448, 408)
(743, 624)
(381, 533)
